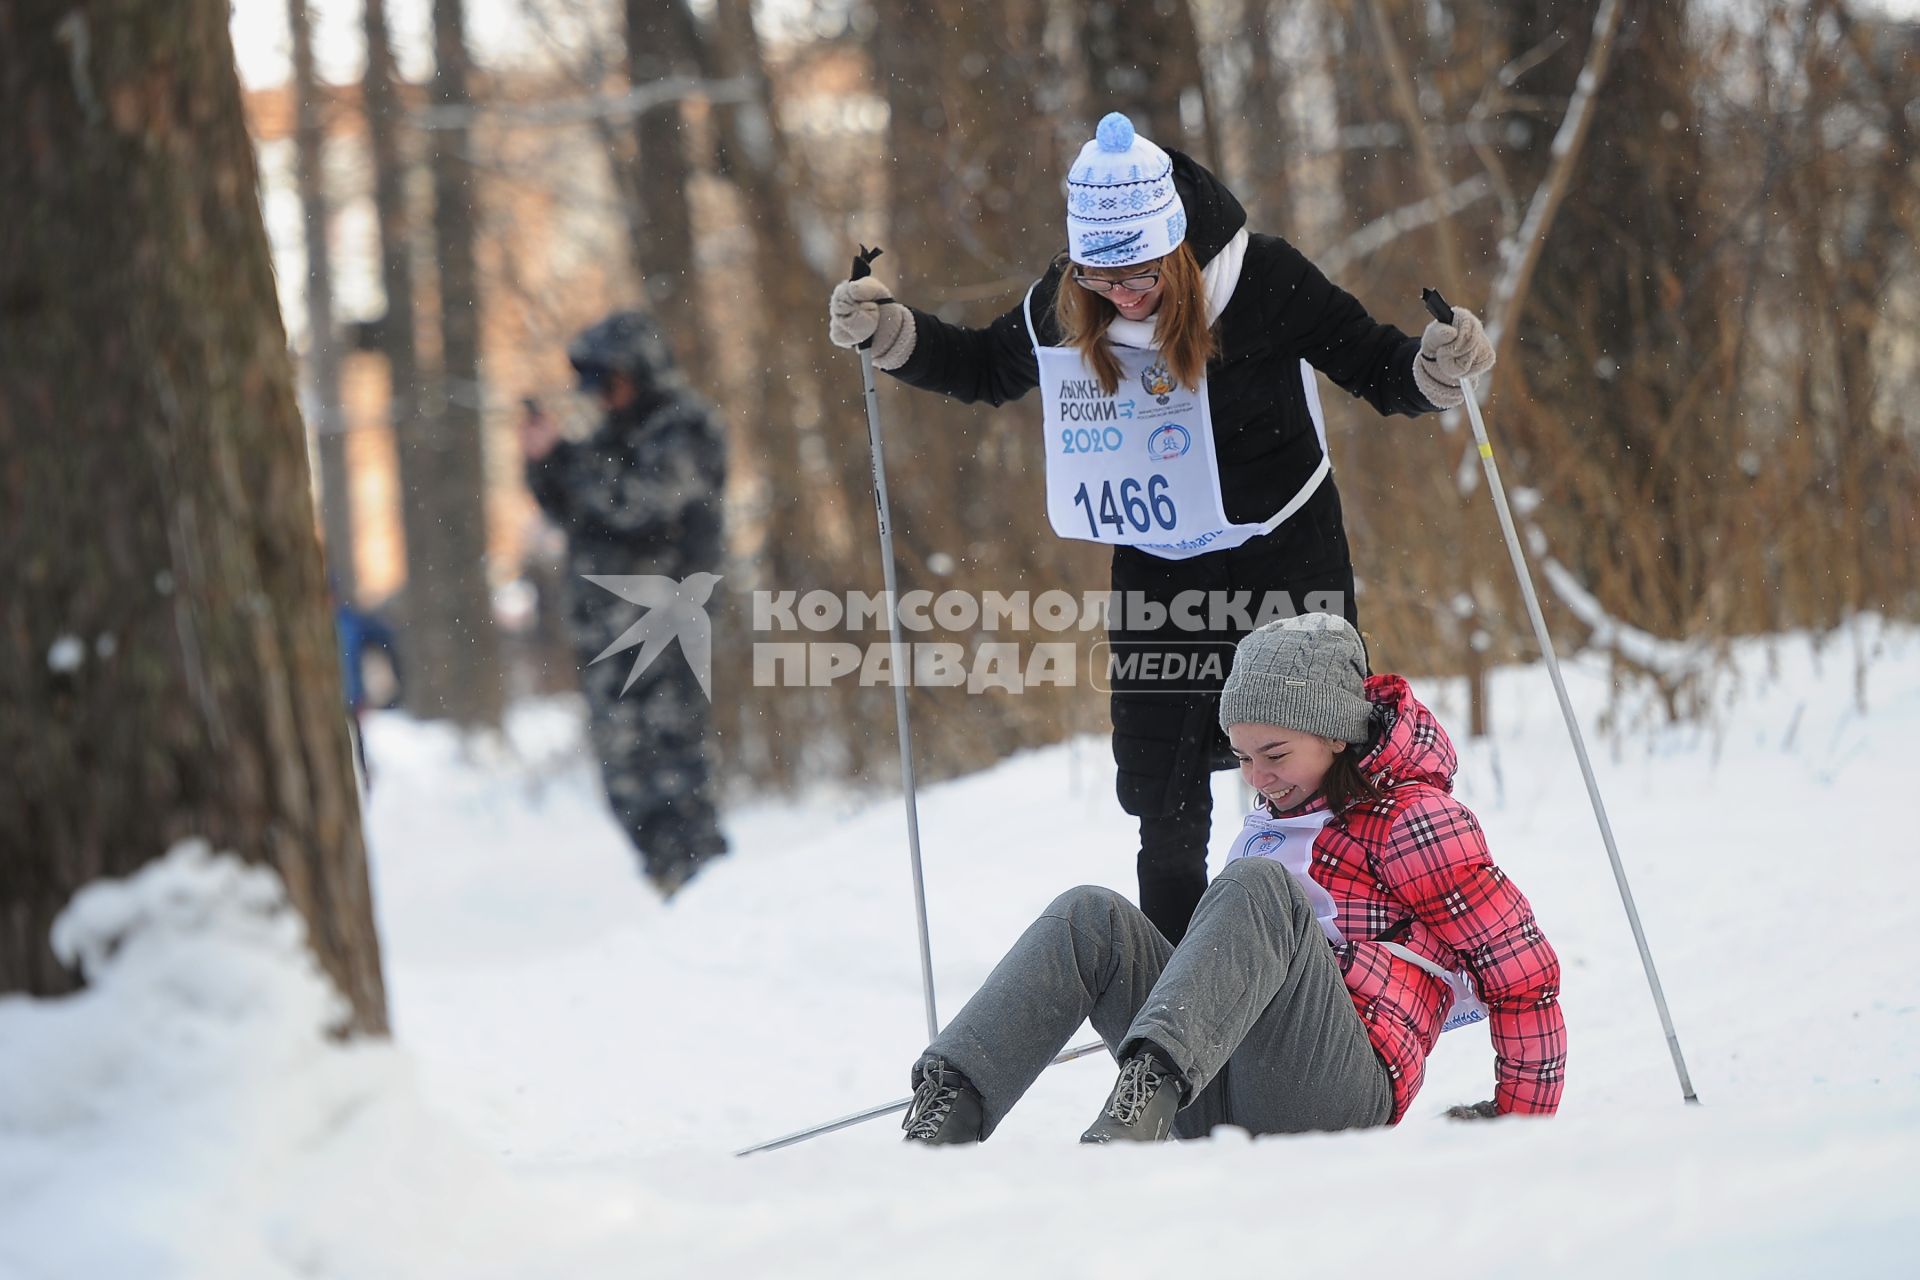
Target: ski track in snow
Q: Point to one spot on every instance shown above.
(593, 1057)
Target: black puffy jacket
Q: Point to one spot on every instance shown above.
(1283, 310)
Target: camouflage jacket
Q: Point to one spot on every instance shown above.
(641, 495)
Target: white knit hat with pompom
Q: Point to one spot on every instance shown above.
(1122, 208)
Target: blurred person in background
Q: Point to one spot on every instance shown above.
(363, 634)
(640, 495)
(1172, 347)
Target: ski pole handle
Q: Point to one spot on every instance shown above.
(1442, 310)
(862, 268)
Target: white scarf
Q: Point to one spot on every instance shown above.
(1218, 278)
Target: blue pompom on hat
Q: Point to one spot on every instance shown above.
(1122, 207)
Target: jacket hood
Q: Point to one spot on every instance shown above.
(1214, 215)
(1411, 747)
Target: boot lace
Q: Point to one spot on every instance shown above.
(933, 1100)
(1138, 1084)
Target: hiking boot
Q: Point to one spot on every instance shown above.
(669, 877)
(1141, 1106)
(945, 1109)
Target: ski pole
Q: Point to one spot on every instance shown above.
(890, 1108)
(1437, 306)
(862, 267)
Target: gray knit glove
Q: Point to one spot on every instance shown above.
(1450, 354)
(864, 308)
(1473, 1110)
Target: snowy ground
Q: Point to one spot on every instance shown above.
(575, 1063)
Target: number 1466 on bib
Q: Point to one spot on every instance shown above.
(1139, 509)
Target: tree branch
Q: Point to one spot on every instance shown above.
(1406, 102)
(635, 102)
(1520, 252)
(1388, 227)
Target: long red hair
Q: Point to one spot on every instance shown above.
(1186, 338)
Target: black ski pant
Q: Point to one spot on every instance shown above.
(1167, 740)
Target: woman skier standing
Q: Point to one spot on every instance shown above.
(1174, 351)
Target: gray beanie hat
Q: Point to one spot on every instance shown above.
(1306, 674)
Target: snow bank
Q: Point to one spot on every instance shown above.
(187, 1115)
(619, 1050)
(576, 1062)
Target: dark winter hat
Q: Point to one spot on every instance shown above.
(626, 342)
(1306, 673)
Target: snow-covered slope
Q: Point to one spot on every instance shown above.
(587, 1059)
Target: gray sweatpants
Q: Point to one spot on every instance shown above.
(1250, 1006)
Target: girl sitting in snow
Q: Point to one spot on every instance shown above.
(1358, 914)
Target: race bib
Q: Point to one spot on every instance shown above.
(1135, 468)
(1289, 842)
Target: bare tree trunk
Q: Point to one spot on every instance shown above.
(167, 662)
(815, 520)
(975, 215)
(1402, 233)
(395, 331)
(1873, 232)
(1271, 144)
(1450, 265)
(1564, 152)
(811, 520)
(1143, 58)
(323, 352)
(453, 668)
(657, 179)
(1628, 312)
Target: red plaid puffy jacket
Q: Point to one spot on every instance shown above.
(1414, 869)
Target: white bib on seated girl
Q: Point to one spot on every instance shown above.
(1138, 468)
(1288, 840)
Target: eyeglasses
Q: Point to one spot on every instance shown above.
(1141, 283)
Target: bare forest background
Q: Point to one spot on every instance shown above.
(1689, 225)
